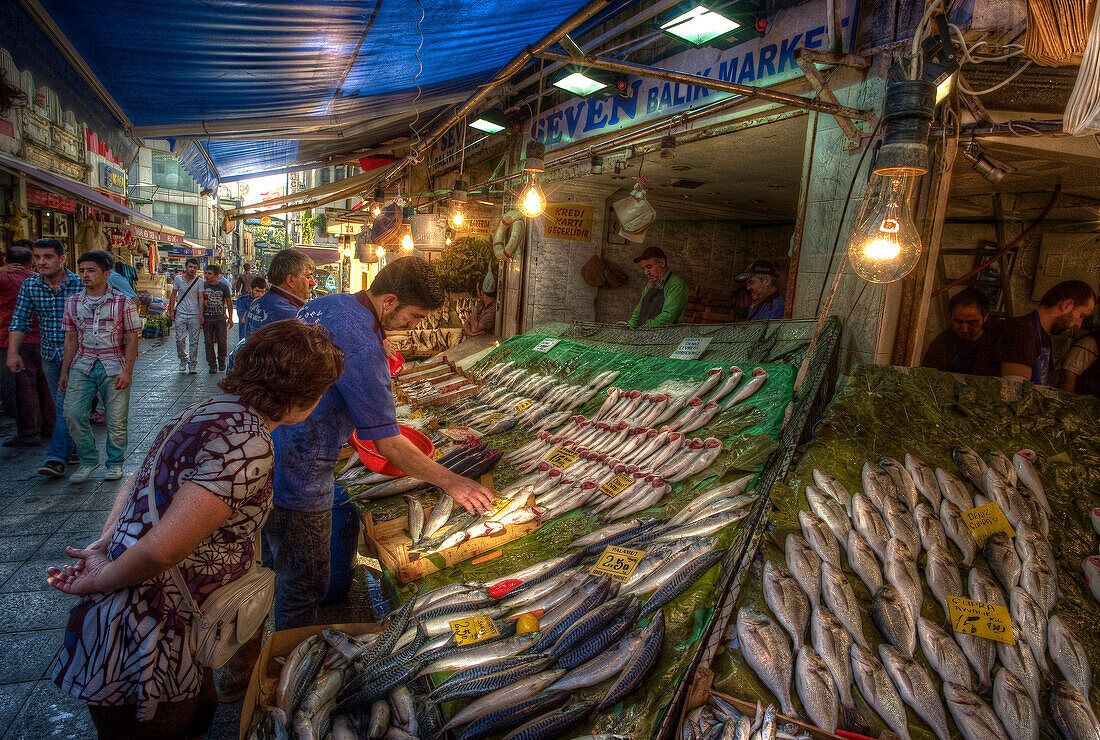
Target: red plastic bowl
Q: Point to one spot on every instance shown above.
(368, 453)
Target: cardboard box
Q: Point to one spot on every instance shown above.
(266, 672)
(391, 545)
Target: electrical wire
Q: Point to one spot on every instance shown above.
(968, 56)
(416, 81)
(999, 85)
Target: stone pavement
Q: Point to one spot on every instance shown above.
(39, 517)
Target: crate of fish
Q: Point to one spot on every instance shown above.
(443, 537)
(299, 673)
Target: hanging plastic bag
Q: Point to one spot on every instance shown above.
(489, 282)
(635, 213)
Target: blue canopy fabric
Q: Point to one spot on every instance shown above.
(191, 61)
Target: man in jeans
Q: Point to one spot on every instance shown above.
(101, 341)
(43, 296)
(33, 404)
(183, 309)
(216, 317)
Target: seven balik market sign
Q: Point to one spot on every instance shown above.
(568, 221)
(759, 62)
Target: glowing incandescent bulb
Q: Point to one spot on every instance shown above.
(531, 201)
(376, 211)
(407, 243)
(458, 219)
(885, 245)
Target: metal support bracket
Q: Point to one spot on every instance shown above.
(806, 60)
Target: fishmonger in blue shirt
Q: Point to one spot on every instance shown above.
(762, 281)
(291, 282)
(298, 530)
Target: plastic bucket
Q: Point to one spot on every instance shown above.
(342, 546)
(368, 453)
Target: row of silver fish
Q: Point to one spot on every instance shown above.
(720, 720)
(883, 530)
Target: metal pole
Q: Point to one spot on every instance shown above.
(669, 75)
(286, 217)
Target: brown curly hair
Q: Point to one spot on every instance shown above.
(413, 280)
(283, 366)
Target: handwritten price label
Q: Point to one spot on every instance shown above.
(617, 563)
(616, 485)
(980, 619)
(561, 457)
(491, 419)
(474, 629)
(985, 521)
(547, 344)
(524, 405)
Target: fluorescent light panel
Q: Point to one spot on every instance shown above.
(487, 126)
(579, 84)
(700, 25)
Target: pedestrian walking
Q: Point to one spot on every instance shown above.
(33, 405)
(129, 651)
(216, 317)
(184, 307)
(256, 288)
(102, 327)
(43, 297)
(243, 283)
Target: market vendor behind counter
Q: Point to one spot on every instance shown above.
(664, 298)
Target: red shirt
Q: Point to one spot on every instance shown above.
(10, 280)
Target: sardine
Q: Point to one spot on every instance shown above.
(1069, 655)
(1013, 705)
(891, 615)
(767, 652)
(877, 689)
(832, 642)
(1075, 718)
(820, 537)
(816, 688)
(974, 718)
(805, 565)
(862, 560)
(916, 688)
(838, 596)
(788, 603)
(924, 478)
(943, 654)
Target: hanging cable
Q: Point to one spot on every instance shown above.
(999, 85)
(416, 81)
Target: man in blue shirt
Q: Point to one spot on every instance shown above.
(762, 280)
(298, 531)
(44, 295)
(120, 284)
(290, 280)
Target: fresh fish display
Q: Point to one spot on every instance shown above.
(1000, 554)
(833, 644)
(957, 531)
(878, 690)
(833, 487)
(1012, 703)
(1075, 719)
(891, 615)
(904, 486)
(805, 565)
(1069, 655)
(863, 561)
(868, 522)
(768, 653)
(924, 478)
(1024, 462)
(974, 718)
(1017, 657)
(916, 688)
(831, 512)
(788, 603)
(970, 464)
(943, 654)
(929, 527)
(942, 575)
(821, 539)
(953, 490)
(837, 594)
(816, 688)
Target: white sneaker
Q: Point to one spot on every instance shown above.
(183, 367)
(83, 474)
(114, 472)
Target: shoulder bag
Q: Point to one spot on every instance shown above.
(231, 615)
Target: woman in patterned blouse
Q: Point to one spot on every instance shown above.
(127, 651)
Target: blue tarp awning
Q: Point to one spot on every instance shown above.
(192, 62)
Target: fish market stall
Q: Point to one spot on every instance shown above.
(636, 478)
(924, 568)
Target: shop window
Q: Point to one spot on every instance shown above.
(169, 173)
(176, 214)
(326, 176)
(339, 173)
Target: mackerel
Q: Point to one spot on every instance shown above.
(602, 667)
(503, 697)
(481, 652)
(681, 581)
(480, 686)
(600, 642)
(514, 716)
(639, 664)
(555, 724)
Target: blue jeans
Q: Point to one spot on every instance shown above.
(61, 443)
(297, 545)
(79, 400)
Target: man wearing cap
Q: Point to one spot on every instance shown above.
(762, 280)
(664, 298)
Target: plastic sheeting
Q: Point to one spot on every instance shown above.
(189, 61)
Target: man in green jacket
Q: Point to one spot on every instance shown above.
(665, 296)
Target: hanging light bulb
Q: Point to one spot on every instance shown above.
(531, 201)
(885, 245)
(459, 196)
(381, 251)
(376, 208)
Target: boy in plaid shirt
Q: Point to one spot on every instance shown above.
(101, 340)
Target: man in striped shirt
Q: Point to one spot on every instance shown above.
(43, 296)
(101, 342)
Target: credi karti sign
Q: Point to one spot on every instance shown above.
(762, 61)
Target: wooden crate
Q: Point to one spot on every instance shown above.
(391, 545)
(265, 674)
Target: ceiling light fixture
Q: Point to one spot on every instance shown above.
(668, 147)
(991, 169)
(490, 121)
(695, 23)
(580, 84)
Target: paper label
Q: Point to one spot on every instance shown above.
(980, 619)
(617, 485)
(561, 457)
(617, 563)
(691, 348)
(524, 405)
(461, 434)
(491, 419)
(474, 629)
(547, 344)
(987, 520)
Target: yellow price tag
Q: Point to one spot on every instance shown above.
(617, 485)
(617, 563)
(524, 405)
(987, 520)
(474, 629)
(491, 419)
(561, 457)
(980, 619)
